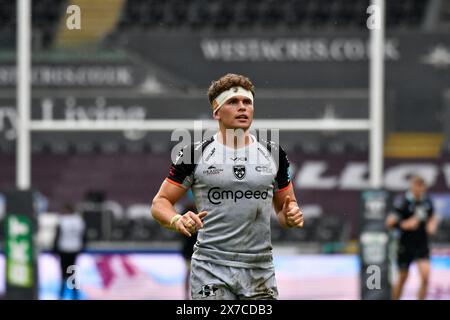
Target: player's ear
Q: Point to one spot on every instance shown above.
(216, 115)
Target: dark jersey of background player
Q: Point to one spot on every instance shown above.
(413, 244)
(415, 219)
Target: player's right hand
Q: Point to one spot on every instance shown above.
(189, 223)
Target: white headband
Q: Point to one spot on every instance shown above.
(228, 94)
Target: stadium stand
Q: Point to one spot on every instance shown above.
(223, 14)
(218, 14)
(45, 17)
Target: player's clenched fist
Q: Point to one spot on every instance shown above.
(292, 213)
(189, 223)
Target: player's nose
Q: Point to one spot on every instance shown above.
(241, 106)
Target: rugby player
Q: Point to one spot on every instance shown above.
(237, 181)
(415, 219)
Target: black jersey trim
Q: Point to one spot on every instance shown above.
(180, 170)
(283, 176)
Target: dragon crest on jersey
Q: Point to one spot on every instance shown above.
(239, 171)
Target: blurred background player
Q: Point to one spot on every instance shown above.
(70, 240)
(233, 255)
(414, 217)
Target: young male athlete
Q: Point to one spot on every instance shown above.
(415, 218)
(237, 182)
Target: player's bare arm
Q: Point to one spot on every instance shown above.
(409, 224)
(287, 209)
(164, 212)
(391, 221)
(432, 225)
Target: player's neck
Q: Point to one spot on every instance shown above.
(236, 141)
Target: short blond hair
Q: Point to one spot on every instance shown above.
(417, 179)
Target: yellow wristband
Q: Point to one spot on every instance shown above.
(174, 220)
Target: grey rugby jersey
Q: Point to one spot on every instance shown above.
(235, 187)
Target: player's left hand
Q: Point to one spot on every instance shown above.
(292, 213)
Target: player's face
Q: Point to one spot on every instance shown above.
(236, 113)
(418, 188)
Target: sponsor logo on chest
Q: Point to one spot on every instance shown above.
(263, 169)
(212, 170)
(217, 195)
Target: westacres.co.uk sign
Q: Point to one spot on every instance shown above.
(417, 64)
(292, 60)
